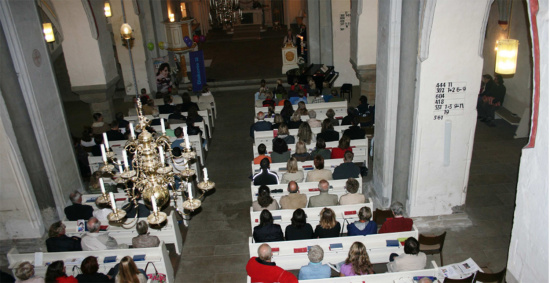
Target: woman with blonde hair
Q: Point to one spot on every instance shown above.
(304, 133)
(328, 226)
(277, 120)
(128, 272)
(295, 121)
(292, 172)
(358, 262)
(301, 153)
(25, 273)
(282, 132)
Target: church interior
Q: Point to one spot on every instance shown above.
(481, 182)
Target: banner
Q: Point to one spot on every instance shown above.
(198, 75)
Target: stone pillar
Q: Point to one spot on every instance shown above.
(38, 89)
(314, 32)
(367, 81)
(341, 34)
(448, 75)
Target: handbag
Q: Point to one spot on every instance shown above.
(156, 276)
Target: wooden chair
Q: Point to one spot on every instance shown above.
(468, 279)
(491, 277)
(432, 244)
(381, 215)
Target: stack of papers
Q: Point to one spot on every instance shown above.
(460, 270)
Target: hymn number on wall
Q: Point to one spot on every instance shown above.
(449, 99)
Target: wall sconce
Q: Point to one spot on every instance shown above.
(171, 17)
(48, 32)
(126, 31)
(107, 9)
(183, 10)
(507, 56)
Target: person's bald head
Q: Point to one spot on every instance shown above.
(425, 280)
(93, 225)
(292, 187)
(264, 252)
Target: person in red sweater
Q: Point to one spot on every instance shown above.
(343, 146)
(398, 223)
(261, 269)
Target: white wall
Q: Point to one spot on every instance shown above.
(453, 55)
(364, 31)
(341, 45)
(528, 254)
(518, 86)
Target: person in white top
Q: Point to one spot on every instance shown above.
(412, 259)
(95, 241)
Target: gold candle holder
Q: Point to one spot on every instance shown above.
(191, 204)
(117, 215)
(206, 185)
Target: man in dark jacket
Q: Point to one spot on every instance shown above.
(266, 176)
(261, 125)
(78, 211)
(348, 169)
(59, 242)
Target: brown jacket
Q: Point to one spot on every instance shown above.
(293, 201)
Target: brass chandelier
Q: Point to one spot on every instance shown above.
(148, 174)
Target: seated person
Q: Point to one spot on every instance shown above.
(343, 146)
(268, 100)
(412, 259)
(149, 107)
(327, 132)
(313, 122)
(330, 115)
(398, 223)
(261, 269)
(187, 103)
(265, 201)
(324, 198)
(318, 97)
(355, 132)
(364, 226)
(357, 262)
(131, 209)
(77, 210)
(299, 229)
(282, 133)
(191, 129)
(328, 226)
(122, 124)
(296, 87)
(89, 268)
(315, 269)
(261, 154)
(99, 127)
(302, 108)
(261, 125)
(347, 120)
(266, 231)
(301, 153)
(352, 197)
(320, 149)
(277, 121)
(280, 151)
(265, 176)
(180, 140)
(59, 242)
(280, 89)
(95, 187)
(319, 173)
(294, 199)
(176, 117)
(302, 97)
(292, 172)
(114, 133)
(305, 134)
(168, 107)
(95, 241)
(24, 273)
(295, 121)
(348, 169)
(143, 239)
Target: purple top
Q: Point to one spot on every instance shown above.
(347, 270)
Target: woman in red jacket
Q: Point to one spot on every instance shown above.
(343, 146)
(56, 273)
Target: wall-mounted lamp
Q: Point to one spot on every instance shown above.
(183, 10)
(126, 31)
(48, 32)
(171, 17)
(507, 56)
(107, 9)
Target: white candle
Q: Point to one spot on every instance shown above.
(125, 157)
(113, 203)
(186, 137)
(132, 133)
(120, 168)
(205, 174)
(102, 185)
(106, 141)
(161, 154)
(103, 153)
(162, 125)
(154, 203)
(189, 191)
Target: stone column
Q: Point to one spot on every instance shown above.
(448, 75)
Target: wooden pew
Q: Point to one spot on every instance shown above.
(268, 136)
(339, 107)
(306, 166)
(293, 254)
(407, 276)
(307, 188)
(345, 214)
(158, 256)
(169, 234)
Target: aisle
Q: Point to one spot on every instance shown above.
(216, 248)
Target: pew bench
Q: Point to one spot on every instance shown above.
(339, 107)
(169, 234)
(306, 166)
(268, 136)
(345, 214)
(308, 188)
(158, 256)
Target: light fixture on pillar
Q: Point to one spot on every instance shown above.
(171, 17)
(48, 32)
(507, 56)
(107, 9)
(183, 10)
(143, 169)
